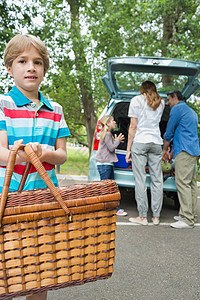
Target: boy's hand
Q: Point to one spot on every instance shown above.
(37, 148)
(18, 142)
(22, 157)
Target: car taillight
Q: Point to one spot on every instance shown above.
(97, 135)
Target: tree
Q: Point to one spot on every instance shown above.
(147, 28)
(152, 27)
(83, 71)
(75, 64)
(15, 17)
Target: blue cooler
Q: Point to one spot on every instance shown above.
(121, 163)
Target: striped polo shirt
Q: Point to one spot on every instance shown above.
(22, 119)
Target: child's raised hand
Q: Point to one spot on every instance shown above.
(119, 138)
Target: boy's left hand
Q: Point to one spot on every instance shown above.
(37, 148)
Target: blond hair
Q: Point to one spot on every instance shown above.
(19, 43)
(104, 122)
(148, 89)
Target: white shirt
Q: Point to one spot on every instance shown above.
(148, 120)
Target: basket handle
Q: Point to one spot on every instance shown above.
(24, 176)
(9, 171)
(41, 170)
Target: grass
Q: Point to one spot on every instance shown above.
(77, 162)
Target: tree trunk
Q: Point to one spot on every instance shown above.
(83, 72)
(167, 35)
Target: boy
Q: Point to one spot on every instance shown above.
(27, 117)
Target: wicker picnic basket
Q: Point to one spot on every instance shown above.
(56, 237)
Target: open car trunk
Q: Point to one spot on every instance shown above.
(120, 114)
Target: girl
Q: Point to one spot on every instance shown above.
(106, 153)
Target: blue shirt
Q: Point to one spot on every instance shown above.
(182, 129)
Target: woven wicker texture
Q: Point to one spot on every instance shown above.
(40, 249)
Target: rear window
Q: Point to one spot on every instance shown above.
(131, 81)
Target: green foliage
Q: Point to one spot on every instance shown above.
(195, 105)
(137, 27)
(75, 78)
(14, 18)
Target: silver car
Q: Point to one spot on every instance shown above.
(123, 80)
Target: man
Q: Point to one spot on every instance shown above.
(182, 130)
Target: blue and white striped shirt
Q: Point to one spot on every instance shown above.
(22, 119)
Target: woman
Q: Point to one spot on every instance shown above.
(145, 147)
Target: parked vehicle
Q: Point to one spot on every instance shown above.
(123, 80)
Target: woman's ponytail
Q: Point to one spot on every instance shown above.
(148, 89)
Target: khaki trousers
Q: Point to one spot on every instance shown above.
(186, 184)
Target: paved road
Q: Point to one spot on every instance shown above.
(152, 262)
